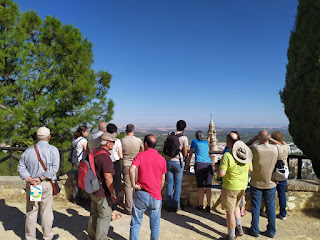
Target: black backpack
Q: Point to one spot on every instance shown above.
(171, 145)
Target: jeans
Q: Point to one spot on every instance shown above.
(142, 201)
(269, 201)
(174, 176)
(281, 189)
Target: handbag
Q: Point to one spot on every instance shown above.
(281, 171)
(54, 184)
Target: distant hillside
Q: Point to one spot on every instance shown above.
(245, 133)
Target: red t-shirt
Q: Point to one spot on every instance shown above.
(151, 165)
(103, 164)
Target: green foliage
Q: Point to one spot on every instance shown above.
(46, 78)
(301, 94)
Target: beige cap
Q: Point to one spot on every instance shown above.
(43, 132)
(107, 137)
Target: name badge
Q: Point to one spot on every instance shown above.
(36, 193)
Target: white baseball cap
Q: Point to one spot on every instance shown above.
(43, 132)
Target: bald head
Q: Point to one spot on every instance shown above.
(150, 140)
(264, 136)
(232, 137)
(102, 126)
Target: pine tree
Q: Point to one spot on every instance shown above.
(46, 78)
(301, 94)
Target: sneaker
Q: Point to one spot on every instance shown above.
(268, 234)
(263, 214)
(228, 237)
(176, 209)
(208, 209)
(253, 234)
(239, 230)
(200, 209)
(283, 218)
(168, 209)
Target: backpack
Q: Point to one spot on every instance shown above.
(73, 156)
(281, 171)
(171, 145)
(87, 178)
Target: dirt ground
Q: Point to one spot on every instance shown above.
(71, 223)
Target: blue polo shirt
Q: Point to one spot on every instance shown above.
(201, 150)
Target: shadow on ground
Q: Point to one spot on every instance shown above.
(186, 221)
(76, 224)
(12, 219)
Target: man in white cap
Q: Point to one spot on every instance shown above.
(101, 200)
(234, 168)
(31, 170)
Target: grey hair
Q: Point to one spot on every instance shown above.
(103, 143)
(263, 137)
(200, 135)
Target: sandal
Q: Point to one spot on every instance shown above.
(116, 216)
(244, 212)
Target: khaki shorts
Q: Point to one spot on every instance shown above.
(230, 199)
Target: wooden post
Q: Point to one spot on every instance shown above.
(299, 166)
(61, 172)
(11, 163)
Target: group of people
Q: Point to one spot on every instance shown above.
(258, 159)
(144, 172)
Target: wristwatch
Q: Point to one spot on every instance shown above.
(40, 179)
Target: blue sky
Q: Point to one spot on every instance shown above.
(186, 59)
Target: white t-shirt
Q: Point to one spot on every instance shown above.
(114, 152)
(78, 146)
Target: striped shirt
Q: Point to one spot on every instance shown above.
(29, 165)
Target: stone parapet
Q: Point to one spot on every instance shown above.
(301, 194)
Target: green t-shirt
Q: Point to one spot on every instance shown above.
(236, 177)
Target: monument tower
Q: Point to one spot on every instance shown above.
(212, 140)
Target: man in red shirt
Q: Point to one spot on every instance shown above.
(101, 200)
(152, 168)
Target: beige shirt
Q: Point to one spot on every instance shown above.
(264, 160)
(183, 142)
(131, 146)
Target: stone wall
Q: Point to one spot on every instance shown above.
(301, 194)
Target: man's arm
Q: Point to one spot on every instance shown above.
(132, 174)
(109, 181)
(185, 151)
(221, 173)
(187, 167)
(255, 138)
(141, 146)
(163, 180)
